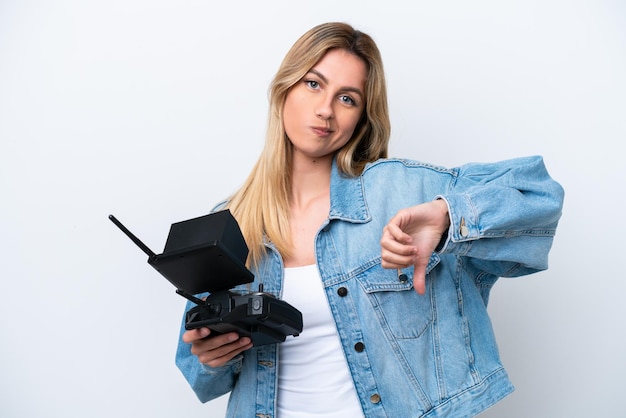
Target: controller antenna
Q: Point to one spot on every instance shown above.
(132, 236)
(190, 297)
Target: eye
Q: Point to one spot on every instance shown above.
(312, 84)
(347, 100)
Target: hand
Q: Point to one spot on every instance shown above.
(411, 236)
(215, 351)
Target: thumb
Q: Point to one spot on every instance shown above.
(419, 275)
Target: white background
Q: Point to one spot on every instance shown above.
(155, 110)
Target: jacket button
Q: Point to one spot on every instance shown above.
(375, 398)
(342, 291)
(359, 347)
(463, 230)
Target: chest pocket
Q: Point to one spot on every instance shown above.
(400, 310)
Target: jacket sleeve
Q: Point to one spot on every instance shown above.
(504, 215)
(207, 382)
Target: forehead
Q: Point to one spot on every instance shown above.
(341, 67)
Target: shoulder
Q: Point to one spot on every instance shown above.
(393, 166)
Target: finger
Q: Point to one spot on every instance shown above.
(225, 353)
(213, 343)
(419, 276)
(395, 233)
(195, 334)
(395, 246)
(390, 260)
(419, 284)
(396, 253)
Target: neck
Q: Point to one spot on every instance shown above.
(310, 181)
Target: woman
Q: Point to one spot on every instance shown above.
(390, 261)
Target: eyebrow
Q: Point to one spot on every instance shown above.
(347, 88)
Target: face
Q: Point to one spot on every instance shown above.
(322, 110)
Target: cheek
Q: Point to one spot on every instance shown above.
(291, 112)
(350, 123)
(287, 120)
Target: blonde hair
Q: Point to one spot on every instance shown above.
(261, 205)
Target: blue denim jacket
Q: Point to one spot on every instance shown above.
(410, 356)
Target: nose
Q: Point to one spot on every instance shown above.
(324, 108)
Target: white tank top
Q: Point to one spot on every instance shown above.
(313, 376)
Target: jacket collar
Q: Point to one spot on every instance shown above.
(347, 197)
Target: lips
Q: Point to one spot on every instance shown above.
(321, 130)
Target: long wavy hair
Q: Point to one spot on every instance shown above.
(261, 205)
